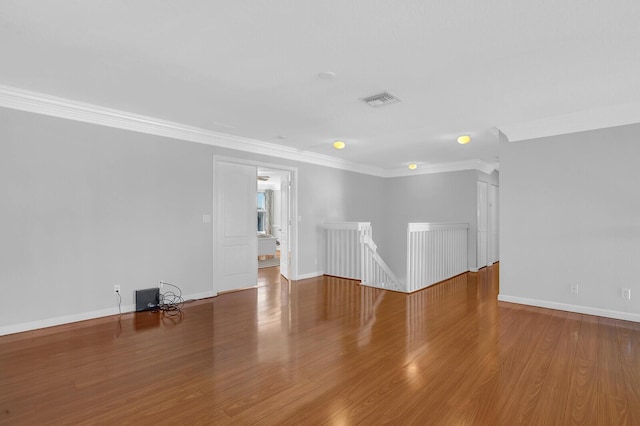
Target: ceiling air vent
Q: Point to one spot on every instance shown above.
(381, 99)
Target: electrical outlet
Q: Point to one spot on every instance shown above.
(574, 288)
(116, 289)
(626, 293)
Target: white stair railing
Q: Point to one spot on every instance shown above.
(351, 253)
(343, 257)
(435, 252)
(375, 271)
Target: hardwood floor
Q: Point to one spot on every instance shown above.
(328, 351)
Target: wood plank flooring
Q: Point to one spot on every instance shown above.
(328, 351)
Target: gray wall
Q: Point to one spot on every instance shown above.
(570, 213)
(331, 195)
(84, 207)
(440, 197)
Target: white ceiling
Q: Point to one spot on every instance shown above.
(250, 68)
(275, 178)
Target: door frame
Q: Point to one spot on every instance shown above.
(493, 231)
(293, 237)
(482, 224)
(284, 256)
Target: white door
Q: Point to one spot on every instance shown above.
(482, 223)
(494, 255)
(285, 220)
(235, 254)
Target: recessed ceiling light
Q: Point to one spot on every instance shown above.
(412, 166)
(464, 139)
(339, 145)
(327, 75)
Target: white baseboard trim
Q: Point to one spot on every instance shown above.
(473, 269)
(65, 319)
(309, 275)
(83, 316)
(627, 316)
(203, 295)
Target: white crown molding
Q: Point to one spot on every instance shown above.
(24, 100)
(39, 103)
(455, 166)
(612, 116)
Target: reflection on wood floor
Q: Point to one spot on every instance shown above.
(329, 351)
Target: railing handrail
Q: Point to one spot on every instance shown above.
(433, 226)
(388, 271)
(435, 251)
(367, 241)
(373, 247)
(346, 225)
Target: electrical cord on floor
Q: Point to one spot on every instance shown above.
(119, 303)
(171, 302)
(119, 326)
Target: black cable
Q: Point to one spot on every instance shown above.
(119, 302)
(171, 303)
(119, 326)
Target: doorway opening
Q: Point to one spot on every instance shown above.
(245, 223)
(273, 202)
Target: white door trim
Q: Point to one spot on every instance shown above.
(482, 207)
(286, 224)
(293, 238)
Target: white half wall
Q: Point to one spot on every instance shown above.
(438, 197)
(570, 215)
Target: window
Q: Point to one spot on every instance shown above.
(262, 213)
(261, 201)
